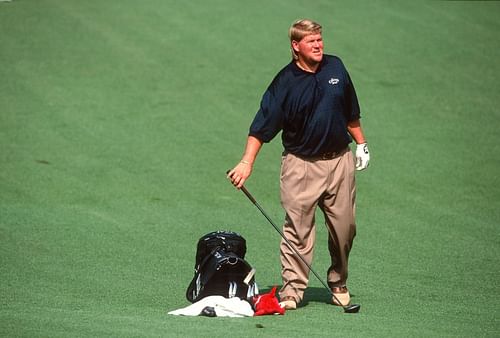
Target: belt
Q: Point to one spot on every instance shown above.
(330, 155)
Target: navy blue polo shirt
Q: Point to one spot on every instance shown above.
(311, 109)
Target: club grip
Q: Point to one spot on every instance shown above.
(245, 191)
(250, 197)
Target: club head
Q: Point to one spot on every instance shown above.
(353, 308)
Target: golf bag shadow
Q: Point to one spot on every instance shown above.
(221, 268)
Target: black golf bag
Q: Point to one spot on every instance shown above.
(221, 269)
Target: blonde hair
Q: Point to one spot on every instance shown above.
(301, 28)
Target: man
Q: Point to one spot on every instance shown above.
(313, 102)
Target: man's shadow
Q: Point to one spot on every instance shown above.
(312, 294)
(317, 295)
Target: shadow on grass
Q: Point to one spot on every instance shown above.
(312, 294)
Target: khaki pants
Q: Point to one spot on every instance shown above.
(305, 185)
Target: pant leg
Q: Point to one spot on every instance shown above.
(302, 184)
(338, 205)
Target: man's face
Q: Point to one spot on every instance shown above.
(310, 48)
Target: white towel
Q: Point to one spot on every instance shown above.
(224, 307)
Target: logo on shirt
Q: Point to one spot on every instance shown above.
(333, 81)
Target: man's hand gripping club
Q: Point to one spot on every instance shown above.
(240, 173)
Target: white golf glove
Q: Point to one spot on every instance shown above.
(362, 156)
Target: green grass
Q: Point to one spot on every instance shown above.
(118, 120)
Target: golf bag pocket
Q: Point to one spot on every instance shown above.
(223, 271)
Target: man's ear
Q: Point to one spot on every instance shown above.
(295, 46)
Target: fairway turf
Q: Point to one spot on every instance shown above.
(119, 119)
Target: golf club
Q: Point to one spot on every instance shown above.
(352, 308)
